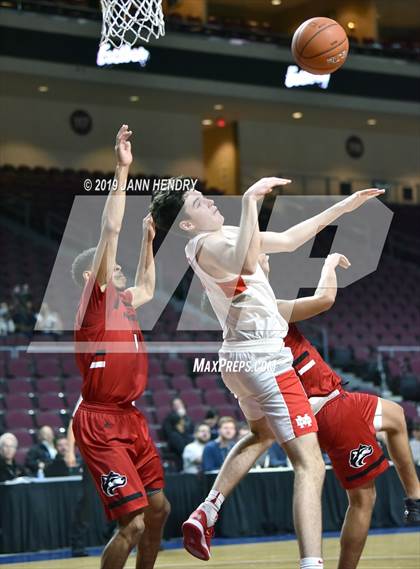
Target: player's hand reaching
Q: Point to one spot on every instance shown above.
(335, 260)
(359, 198)
(263, 187)
(123, 146)
(149, 229)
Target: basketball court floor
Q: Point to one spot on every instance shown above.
(383, 551)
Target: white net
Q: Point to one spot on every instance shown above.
(125, 22)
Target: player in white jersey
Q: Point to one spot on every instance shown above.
(255, 365)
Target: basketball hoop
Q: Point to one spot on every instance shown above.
(125, 22)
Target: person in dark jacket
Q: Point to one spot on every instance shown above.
(41, 454)
(58, 466)
(178, 411)
(212, 419)
(216, 451)
(178, 438)
(9, 468)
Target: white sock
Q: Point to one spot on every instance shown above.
(211, 506)
(311, 563)
(216, 498)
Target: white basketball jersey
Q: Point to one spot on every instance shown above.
(245, 306)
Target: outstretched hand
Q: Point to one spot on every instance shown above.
(123, 146)
(263, 187)
(359, 198)
(335, 260)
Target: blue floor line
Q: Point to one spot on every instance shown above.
(177, 544)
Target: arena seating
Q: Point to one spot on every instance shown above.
(38, 390)
(381, 309)
(236, 29)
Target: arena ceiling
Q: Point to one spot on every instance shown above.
(391, 13)
(85, 93)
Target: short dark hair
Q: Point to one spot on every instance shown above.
(59, 438)
(83, 262)
(165, 208)
(212, 413)
(201, 425)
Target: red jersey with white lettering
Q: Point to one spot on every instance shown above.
(317, 377)
(110, 351)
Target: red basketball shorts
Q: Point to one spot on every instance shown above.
(269, 391)
(347, 434)
(117, 448)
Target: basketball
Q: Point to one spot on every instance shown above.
(320, 46)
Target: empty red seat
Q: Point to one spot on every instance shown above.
(48, 385)
(182, 383)
(415, 366)
(207, 381)
(216, 397)
(24, 437)
(69, 366)
(191, 397)
(18, 420)
(47, 366)
(73, 385)
(15, 401)
(162, 412)
(175, 366)
(410, 410)
(157, 383)
(49, 401)
(20, 367)
(197, 413)
(19, 385)
(362, 353)
(49, 418)
(162, 398)
(154, 367)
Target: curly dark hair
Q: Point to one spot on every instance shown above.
(83, 262)
(165, 208)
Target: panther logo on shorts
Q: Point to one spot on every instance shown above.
(110, 482)
(359, 455)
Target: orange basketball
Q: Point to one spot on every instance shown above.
(320, 46)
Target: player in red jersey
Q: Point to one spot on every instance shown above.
(347, 424)
(112, 435)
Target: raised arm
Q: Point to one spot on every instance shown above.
(113, 214)
(324, 297)
(296, 236)
(240, 257)
(144, 284)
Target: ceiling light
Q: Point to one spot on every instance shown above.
(134, 99)
(298, 115)
(43, 88)
(206, 122)
(371, 122)
(276, 2)
(351, 25)
(218, 107)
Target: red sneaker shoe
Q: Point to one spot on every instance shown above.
(197, 536)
